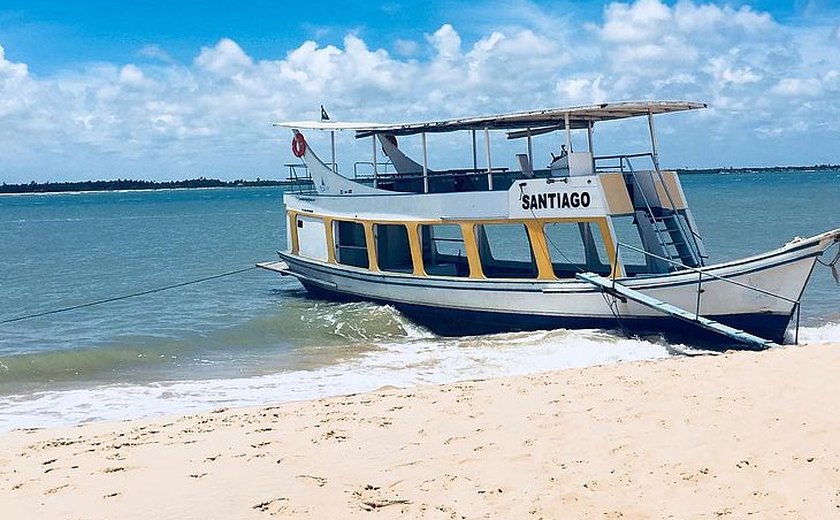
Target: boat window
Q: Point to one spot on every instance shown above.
(505, 251)
(627, 232)
(350, 244)
(444, 253)
(576, 247)
(312, 237)
(392, 248)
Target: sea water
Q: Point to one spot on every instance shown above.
(256, 337)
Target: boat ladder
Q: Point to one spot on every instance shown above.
(670, 237)
(613, 287)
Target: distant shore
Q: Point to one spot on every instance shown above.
(685, 437)
(767, 169)
(202, 182)
(127, 184)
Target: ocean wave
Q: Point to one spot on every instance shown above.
(416, 360)
(828, 333)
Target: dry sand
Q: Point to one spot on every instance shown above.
(738, 435)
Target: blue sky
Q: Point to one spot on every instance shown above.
(102, 89)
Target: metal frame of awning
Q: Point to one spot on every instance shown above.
(578, 118)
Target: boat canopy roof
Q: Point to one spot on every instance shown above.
(534, 121)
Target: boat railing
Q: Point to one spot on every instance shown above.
(381, 168)
(619, 162)
(701, 273)
(458, 179)
(625, 165)
(299, 177)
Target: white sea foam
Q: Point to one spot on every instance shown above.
(828, 333)
(419, 359)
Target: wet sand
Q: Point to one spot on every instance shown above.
(738, 435)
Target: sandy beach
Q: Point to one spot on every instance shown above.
(737, 435)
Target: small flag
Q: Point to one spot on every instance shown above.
(324, 115)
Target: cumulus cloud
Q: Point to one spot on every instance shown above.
(15, 85)
(446, 42)
(211, 115)
(225, 58)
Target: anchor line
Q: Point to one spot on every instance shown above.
(832, 264)
(126, 296)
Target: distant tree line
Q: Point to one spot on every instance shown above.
(129, 184)
(770, 169)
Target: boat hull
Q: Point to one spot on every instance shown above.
(462, 306)
(459, 322)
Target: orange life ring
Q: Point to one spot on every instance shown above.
(298, 145)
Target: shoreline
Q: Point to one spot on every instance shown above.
(735, 434)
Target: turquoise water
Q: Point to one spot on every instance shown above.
(255, 337)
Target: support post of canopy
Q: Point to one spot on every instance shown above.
(653, 145)
(375, 169)
(474, 151)
(332, 146)
(568, 126)
(425, 164)
(489, 163)
(589, 143)
(530, 148)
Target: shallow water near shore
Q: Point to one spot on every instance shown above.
(257, 337)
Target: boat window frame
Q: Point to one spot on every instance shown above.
(536, 235)
(470, 250)
(486, 263)
(376, 246)
(370, 263)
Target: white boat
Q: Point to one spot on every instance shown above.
(587, 242)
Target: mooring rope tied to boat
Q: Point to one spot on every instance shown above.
(833, 263)
(126, 296)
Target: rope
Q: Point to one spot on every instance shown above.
(609, 299)
(832, 265)
(125, 297)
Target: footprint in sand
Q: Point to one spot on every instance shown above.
(320, 481)
(273, 507)
(371, 498)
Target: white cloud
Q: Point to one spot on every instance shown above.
(635, 23)
(211, 116)
(156, 52)
(724, 72)
(226, 58)
(406, 47)
(797, 87)
(581, 91)
(446, 42)
(15, 85)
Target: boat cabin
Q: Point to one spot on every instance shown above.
(506, 215)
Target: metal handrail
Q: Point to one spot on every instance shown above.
(797, 304)
(622, 158)
(701, 271)
(385, 165)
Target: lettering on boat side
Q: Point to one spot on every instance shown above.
(555, 200)
(568, 197)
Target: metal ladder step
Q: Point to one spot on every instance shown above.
(731, 332)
